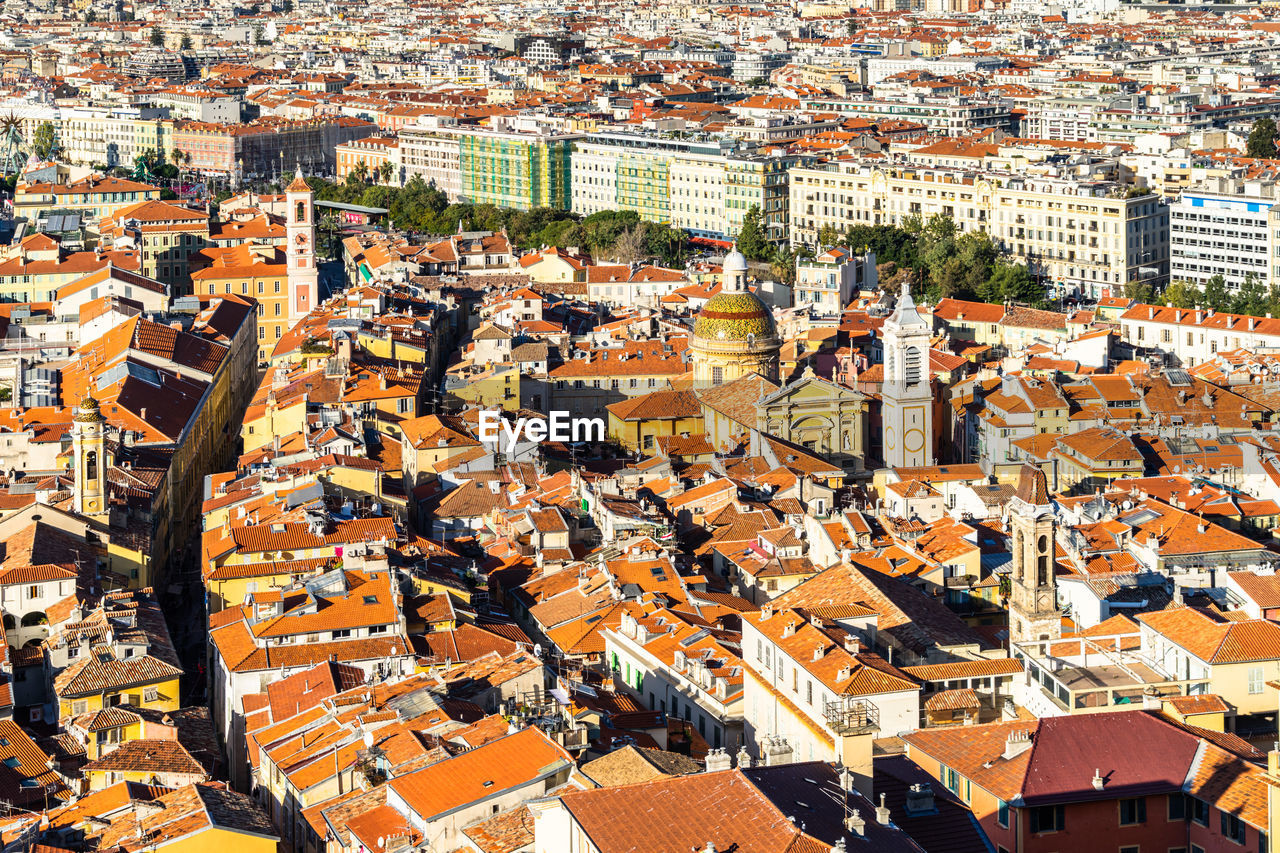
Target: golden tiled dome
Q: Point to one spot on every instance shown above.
(89, 411)
(733, 317)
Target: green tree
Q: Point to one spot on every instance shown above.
(44, 142)
(604, 228)
(1014, 283)
(1216, 295)
(752, 242)
(978, 256)
(828, 236)
(1139, 290)
(1252, 297)
(90, 17)
(185, 44)
(935, 250)
(1182, 294)
(157, 37)
(1262, 138)
(783, 265)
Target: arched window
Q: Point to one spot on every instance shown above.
(300, 212)
(911, 367)
(1042, 572)
(91, 465)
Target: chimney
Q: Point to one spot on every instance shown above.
(818, 651)
(920, 800)
(856, 824)
(882, 812)
(1017, 743)
(1098, 782)
(776, 751)
(1151, 700)
(718, 759)
(744, 758)
(851, 644)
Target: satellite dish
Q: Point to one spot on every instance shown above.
(381, 841)
(537, 650)
(368, 744)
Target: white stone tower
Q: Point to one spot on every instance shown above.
(906, 412)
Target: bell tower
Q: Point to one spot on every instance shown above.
(906, 409)
(89, 447)
(304, 277)
(1033, 595)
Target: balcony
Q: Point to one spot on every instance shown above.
(851, 716)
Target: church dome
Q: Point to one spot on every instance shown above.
(89, 412)
(735, 261)
(735, 317)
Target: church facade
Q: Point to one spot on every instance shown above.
(826, 417)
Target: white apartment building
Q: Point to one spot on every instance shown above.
(949, 116)
(429, 150)
(816, 692)
(113, 136)
(1082, 235)
(681, 671)
(881, 67)
(1068, 119)
(705, 186)
(829, 281)
(1226, 231)
(1192, 335)
(198, 104)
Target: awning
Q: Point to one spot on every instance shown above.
(708, 241)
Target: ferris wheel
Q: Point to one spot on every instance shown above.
(12, 144)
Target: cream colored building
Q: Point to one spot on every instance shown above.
(429, 150)
(1081, 234)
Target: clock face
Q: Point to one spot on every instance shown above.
(301, 239)
(913, 440)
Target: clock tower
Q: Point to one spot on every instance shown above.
(304, 277)
(1033, 588)
(906, 411)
